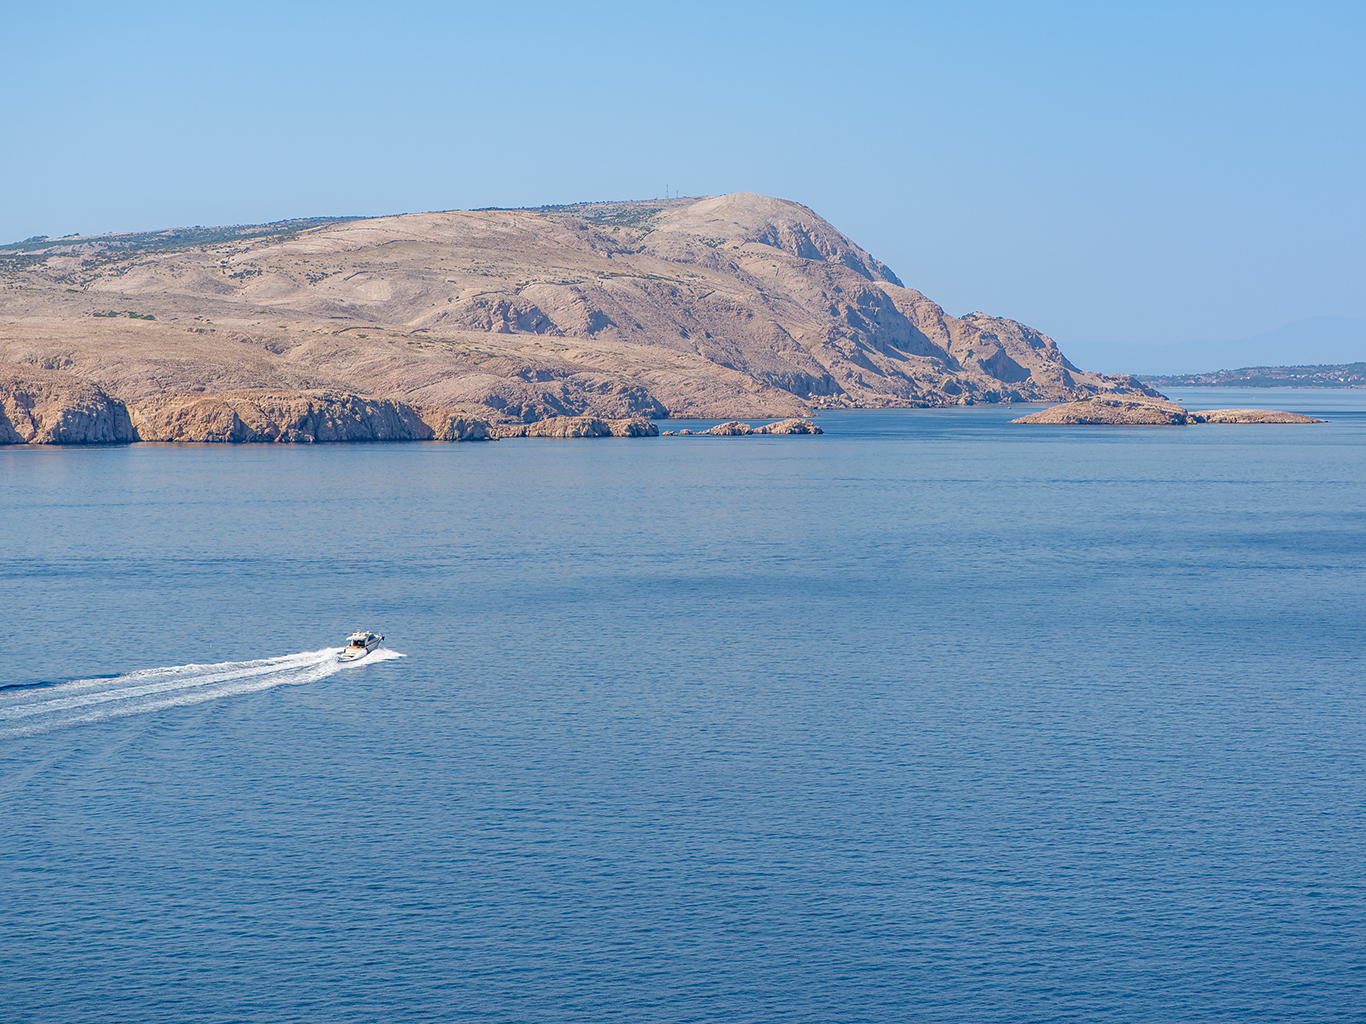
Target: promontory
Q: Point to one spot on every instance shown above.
(460, 324)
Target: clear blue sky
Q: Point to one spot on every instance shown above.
(1126, 172)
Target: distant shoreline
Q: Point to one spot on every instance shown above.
(1326, 376)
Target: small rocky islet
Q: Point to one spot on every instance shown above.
(1147, 411)
(734, 428)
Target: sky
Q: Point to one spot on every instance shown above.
(1108, 172)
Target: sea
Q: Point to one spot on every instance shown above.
(928, 718)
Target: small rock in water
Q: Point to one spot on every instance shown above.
(795, 425)
(732, 429)
(735, 428)
(580, 426)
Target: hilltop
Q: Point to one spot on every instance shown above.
(731, 306)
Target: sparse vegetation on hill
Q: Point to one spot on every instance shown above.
(638, 214)
(174, 238)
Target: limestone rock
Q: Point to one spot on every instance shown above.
(1112, 411)
(795, 425)
(579, 426)
(634, 426)
(50, 407)
(734, 428)
(1127, 411)
(457, 427)
(1250, 416)
(288, 417)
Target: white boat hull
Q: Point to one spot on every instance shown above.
(358, 645)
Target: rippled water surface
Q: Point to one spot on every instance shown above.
(928, 718)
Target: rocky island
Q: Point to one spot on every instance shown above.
(469, 325)
(1149, 411)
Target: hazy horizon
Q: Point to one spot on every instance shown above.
(1311, 341)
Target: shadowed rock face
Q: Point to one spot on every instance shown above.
(729, 306)
(50, 407)
(45, 407)
(454, 427)
(296, 417)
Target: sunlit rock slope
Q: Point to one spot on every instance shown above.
(732, 306)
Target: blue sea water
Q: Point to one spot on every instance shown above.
(927, 718)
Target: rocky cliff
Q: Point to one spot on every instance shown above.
(50, 407)
(43, 407)
(738, 305)
(292, 417)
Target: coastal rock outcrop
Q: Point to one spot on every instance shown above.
(795, 425)
(50, 407)
(580, 426)
(1151, 412)
(289, 417)
(1250, 416)
(456, 427)
(734, 428)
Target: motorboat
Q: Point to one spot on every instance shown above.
(359, 644)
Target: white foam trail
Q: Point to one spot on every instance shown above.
(40, 709)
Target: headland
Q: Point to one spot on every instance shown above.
(467, 325)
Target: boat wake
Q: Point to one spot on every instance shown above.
(55, 706)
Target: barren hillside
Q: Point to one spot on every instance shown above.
(738, 305)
